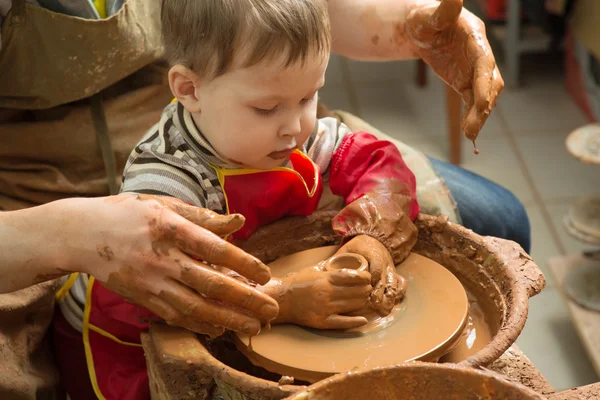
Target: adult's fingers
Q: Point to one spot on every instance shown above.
(207, 246)
(217, 286)
(498, 85)
(221, 225)
(193, 306)
(476, 115)
(483, 73)
(343, 322)
(473, 122)
(349, 277)
(170, 315)
(470, 121)
(446, 14)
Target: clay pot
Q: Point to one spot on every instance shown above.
(416, 381)
(500, 275)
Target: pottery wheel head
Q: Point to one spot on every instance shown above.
(426, 324)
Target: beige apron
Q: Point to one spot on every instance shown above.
(75, 97)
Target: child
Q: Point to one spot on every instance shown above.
(243, 137)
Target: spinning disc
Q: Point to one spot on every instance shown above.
(426, 324)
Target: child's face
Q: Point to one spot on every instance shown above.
(256, 116)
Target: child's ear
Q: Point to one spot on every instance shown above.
(183, 82)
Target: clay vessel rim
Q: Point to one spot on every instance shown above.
(415, 367)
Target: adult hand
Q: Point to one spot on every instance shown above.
(317, 298)
(146, 249)
(453, 42)
(388, 287)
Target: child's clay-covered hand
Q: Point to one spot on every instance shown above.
(453, 42)
(317, 298)
(388, 287)
(383, 214)
(147, 258)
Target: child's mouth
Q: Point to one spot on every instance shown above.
(280, 155)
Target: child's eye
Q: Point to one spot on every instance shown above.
(263, 112)
(308, 100)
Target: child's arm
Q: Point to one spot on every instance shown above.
(376, 184)
(380, 193)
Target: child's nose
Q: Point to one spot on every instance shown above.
(292, 127)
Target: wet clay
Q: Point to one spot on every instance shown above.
(376, 317)
(346, 261)
(388, 287)
(424, 326)
(475, 336)
(475, 149)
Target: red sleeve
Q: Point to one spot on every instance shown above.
(361, 161)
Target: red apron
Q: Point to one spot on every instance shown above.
(112, 327)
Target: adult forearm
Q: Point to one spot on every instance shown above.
(372, 30)
(30, 247)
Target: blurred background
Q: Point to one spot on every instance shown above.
(549, 55)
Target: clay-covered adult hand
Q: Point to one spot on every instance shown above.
(388, 287)
(453, 42)
(317, 298)
(141, 247)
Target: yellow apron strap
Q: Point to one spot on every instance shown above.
(100, 6)
(87, 327)
(86, 339)
(64, 289)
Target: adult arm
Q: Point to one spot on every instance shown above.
(143, 248)
(446, 36)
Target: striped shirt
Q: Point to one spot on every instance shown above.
(175, 159)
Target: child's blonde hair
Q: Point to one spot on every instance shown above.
(206, 35)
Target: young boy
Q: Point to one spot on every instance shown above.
(243, 137)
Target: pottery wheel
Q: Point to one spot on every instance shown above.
(583, 219)
(426, 324)
(584, 143)
(583, 285)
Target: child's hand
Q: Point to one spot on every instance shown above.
(317, 298)
(388, 287)
(383, 213)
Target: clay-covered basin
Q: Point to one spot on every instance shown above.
(497, 273)
(417, 381)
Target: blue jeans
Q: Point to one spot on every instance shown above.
(485, 207)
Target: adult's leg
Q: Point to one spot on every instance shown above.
(484, 206)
